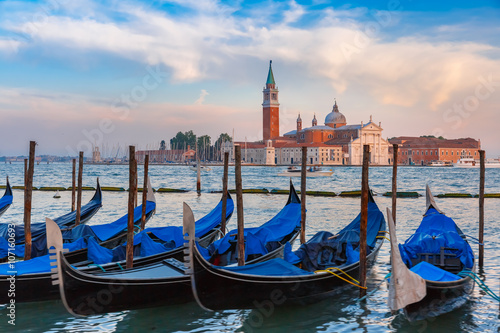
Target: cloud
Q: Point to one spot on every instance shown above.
(403, 76)
(201, 99)
(9, 46)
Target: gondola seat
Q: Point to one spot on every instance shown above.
(447, 261)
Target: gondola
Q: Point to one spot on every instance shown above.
(165, 282)
(325, 265)
(33, 277)
(6, 199)
(38, 229)
(431, 270)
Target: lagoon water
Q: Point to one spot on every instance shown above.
(339, 314)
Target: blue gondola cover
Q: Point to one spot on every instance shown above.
(435, 231)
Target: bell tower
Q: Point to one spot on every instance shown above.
(270, 108)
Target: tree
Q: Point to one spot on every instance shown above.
(183, 140)
(220, 141)
(203, 143)
(162, 145)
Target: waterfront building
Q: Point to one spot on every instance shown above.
(423, 150)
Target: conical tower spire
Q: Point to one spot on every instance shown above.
(270, 83)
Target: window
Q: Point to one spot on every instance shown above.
(274, 96)
(330, 136)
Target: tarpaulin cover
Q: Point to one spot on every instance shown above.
(433, 273)
(273, 267)
(435, 231)
(82, 231)
(37, 265)
(256, 239)
(107, 231)
(321, 252)
(170, 236)
(38, 229)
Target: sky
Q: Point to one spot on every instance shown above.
(76, 73)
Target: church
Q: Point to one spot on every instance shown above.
(334, 143)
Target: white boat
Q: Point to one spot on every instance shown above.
(440, 164)
(57, 195)
(310, 172)
(470, 162)
(202, 168)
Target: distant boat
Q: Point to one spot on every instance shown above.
(202, 168)
(310, 172)
(57, 195)
(470, 162)
(440, 164)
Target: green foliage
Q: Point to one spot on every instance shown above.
(222, 138)
(183, 140)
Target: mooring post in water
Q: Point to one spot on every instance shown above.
(28, 191)
(239, 204)
(224, 193)
(136, 193)
(73, 186)
(79, 193)
(132, 179)
(198, 171)
(145, 191)
(303, 176)
(364, 221)
(481, 208)
(25, 171)
(394, 180)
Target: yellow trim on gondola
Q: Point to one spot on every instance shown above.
(329, 270)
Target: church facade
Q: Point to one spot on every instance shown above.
(334, 143)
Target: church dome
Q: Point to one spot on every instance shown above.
(335, 117)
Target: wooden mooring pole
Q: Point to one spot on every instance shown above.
(136, 193)
(145, 192)
(131, 193)
(303, 176)
(481, 208)
(28, 192)
(239, 204)
(25, 171)
(364, 221)
(394, 180)
(73, 186)
(224, 192)
(198, 171)
(79, 193)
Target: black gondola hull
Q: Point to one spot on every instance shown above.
(242, 291)
(441, 297)
(88, 294)
(38, 286)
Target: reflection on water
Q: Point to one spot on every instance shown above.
(340, 313)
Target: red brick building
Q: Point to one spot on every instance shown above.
(423, 150)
